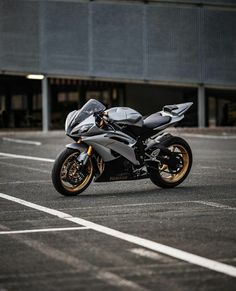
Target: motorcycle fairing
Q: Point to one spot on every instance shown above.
(125, 115)
(117, 169)
(120, 169)
(170, 115)
(105, 144)
(115, 144)
(77, 146)
(177, 109)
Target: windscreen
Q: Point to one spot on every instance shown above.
(88, 109)
(77, 116)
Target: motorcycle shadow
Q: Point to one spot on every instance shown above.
(147, 190)
(126, 189)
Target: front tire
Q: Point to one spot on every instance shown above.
(162, 174)
(69, 177)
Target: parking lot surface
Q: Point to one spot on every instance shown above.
(120, 235)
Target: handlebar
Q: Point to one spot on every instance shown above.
(102, 119)
(99, 118)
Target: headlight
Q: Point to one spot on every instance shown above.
(84, 128)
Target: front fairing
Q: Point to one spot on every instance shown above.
(82, 117)
(83, 127)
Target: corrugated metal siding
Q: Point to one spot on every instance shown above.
(65, 37)
(205, 2)
(193, 2)
(173, 43)
(19, 35)
(117, 48)
(219, 2)
(219, 46)
(156, 42)
(1, 31)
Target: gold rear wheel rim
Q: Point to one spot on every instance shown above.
(166, 173)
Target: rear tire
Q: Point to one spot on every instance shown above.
(68, 177)
(161, 174)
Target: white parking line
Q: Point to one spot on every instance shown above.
(209, 136)
(148, 244)
(43, 230)
(216, 205)
(152, 255)
(24, 167)
(78, 264)
(26, 182)
(213, 204)
(37, 143)
(26, 157)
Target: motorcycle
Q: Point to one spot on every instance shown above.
(120, 144)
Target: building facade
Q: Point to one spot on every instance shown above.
(142, 54)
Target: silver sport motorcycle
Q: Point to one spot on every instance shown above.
(120, 144)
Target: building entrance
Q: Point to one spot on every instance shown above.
(21, 99)
(68, 95)
(221, 108)
(20, 102)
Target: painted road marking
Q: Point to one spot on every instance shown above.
(43, 230)
(156, 203)
(228, 170)
(116, 280)
(209, 136)
(24, 167)
(152, 255)
(26, 182)
(78, 264)
(148, 244)
(129, 205)
(26, 157)
(216, 205)
(37, 143)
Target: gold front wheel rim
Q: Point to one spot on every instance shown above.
(70, 172)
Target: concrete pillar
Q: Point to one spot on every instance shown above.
(201, 107)
(45, 105)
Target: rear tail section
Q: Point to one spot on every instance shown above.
(177, 109)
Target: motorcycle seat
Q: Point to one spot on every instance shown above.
(155, 120)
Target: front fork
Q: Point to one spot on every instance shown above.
(84, 156)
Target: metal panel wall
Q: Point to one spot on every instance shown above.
(173, 43)
(192, 2)
(65, 37)
(19, 35)
(1, 31)
(219, 46)
(219, 2)
(156, 41)
(117, 47)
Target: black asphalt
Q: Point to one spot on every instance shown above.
(197, 217)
